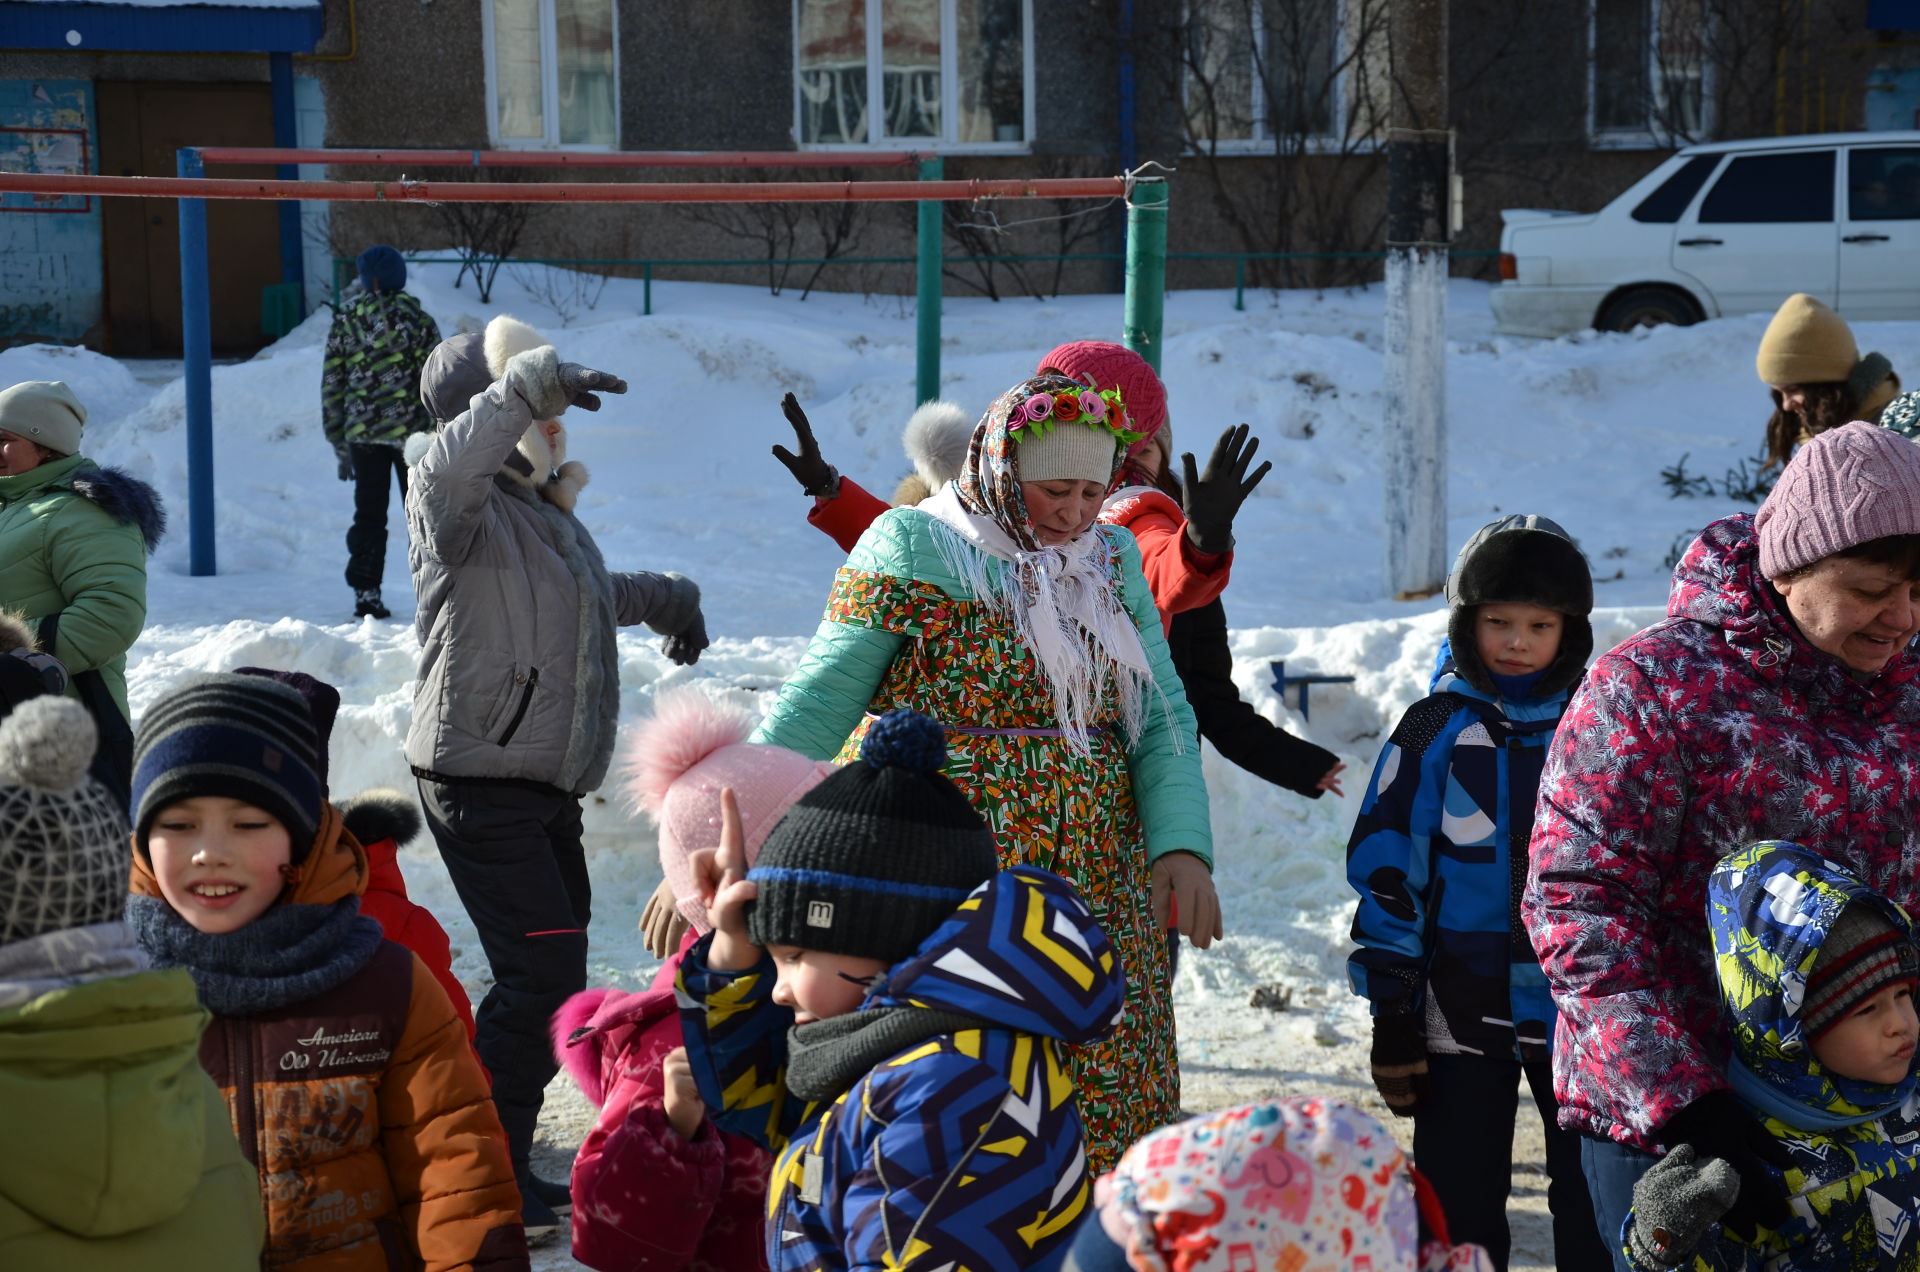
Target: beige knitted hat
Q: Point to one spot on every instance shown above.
(43, 411)
(1806, 343)
(1068, 452)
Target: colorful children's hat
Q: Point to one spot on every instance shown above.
(679, 760)
(1306, 1184)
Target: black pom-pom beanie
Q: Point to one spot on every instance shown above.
(871, 861)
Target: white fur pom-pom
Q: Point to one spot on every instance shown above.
(936, 439)
(47, 744)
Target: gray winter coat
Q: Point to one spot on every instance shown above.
(519, 676)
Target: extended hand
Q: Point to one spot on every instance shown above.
(684, 646)
(816, 476)
(1182, 879)
(580, 383)
(661, 923)
(345, 456)
(1676, 1202)
(680, 1094)
(1212, 499)
(1330, 780)
(1718, 1125)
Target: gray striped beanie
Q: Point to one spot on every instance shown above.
(244, 737)
(873, 860)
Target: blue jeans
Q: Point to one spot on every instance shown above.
(1463, 1144)
(1612, 1170)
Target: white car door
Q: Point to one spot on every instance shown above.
(1880, 233)
(1763, 231)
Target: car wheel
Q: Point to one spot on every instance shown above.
(1646, 307)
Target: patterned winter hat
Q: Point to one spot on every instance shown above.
(679, 760)
(871, 861)
(244, 737)
(63, 838)
(1848, 486)
(1862, 955)
(1297, 1182)
(1112, 366)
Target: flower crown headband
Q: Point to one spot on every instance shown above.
(1096, 408)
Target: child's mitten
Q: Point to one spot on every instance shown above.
(1675, 1203)
(1399, 1060)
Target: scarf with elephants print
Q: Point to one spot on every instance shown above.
(1301, 1183)
(1063, 600)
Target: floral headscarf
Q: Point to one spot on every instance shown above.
(1063, 600)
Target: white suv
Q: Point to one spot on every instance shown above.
(1731, 227)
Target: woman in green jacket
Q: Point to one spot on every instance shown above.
(74, 540)
(1000, 608)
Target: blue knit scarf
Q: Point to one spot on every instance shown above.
(288, 955)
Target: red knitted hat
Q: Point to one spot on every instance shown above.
(1112, 366)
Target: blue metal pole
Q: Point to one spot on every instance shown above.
(292, 258)
(196, 340)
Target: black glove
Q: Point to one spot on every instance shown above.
(816, 476)
(1718, 1125)
(684, 646)
(579, 382)
(1212, 499)
(1675, 1203)
(345, 456)
(1399, 1060)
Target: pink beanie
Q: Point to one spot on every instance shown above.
(1845, 487)
(680, 759)
(1112, 366)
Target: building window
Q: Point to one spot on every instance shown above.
(1264, 72)
(952, 74)
(550, 73)
(1647, 72)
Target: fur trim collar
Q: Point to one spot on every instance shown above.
(124, 498)
(381, 813)
(15, 633)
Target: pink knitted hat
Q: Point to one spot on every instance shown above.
(1112, 366)
(678, 761)
(1845, 487)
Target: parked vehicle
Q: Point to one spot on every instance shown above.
(1729, 227)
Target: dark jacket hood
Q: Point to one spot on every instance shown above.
(1022, 952)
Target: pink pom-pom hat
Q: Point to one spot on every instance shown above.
(677, 762)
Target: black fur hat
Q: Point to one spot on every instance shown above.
(1526, 560)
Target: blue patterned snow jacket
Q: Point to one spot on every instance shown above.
(964, 1151)
(1854, 1182)
(1439, 858)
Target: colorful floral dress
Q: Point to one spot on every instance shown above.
(901, 631)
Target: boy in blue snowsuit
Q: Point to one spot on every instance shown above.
(1439, 857)
(1817, 979)
(889, 1014)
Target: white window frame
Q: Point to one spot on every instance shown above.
(949, 91)
(549, 84)
(1650, 136)
(1264, 142)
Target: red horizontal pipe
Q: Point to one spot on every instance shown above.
(557, 192)
(564, 158)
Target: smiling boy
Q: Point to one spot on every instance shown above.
(346, 1072)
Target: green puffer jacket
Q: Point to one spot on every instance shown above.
(844, 665)
(118, 1150)
(74, 539)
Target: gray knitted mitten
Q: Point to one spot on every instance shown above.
(1675, 1203)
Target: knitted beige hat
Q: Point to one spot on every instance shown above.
(43, 411)
(1806, 343)
(1068, 452)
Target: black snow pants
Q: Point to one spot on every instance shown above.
(374, 465)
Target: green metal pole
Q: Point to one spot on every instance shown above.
(1240, 284)
(1146, 268)
(646, 290)
(927, 302)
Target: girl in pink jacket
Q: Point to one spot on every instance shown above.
(656, 1186)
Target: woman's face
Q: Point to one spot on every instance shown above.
(1861, 612)
(18, 455)
(1793, 398)
(1062, 511)
(1154, 456)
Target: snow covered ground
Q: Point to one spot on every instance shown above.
(1578, 429)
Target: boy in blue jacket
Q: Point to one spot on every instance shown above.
(1439, 857)
(1817, 979)
(889, 1015)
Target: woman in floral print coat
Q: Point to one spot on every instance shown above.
(1780, 699)
(1001, 609)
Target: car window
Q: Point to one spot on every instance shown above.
(1883, 183)
(1797, 186)
(1664, 205)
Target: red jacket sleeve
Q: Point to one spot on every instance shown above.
(1180, 576)
(846, 516)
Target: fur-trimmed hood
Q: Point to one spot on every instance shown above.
(381, 813)
(15, 633)
(124, 498)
